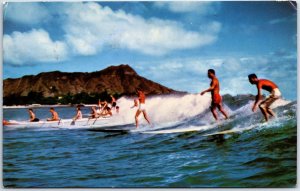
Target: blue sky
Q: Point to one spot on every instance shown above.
(172, 43)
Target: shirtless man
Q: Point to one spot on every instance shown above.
(215, 95)
(78, 114)
(32, 117)
(268, 86)
(54, 115)
(106, 112)
(141, 109)
(94, 113)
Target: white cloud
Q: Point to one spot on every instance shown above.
(32, 46)
(90, 27)
(278, 21)
(25, 13)
(203, 7)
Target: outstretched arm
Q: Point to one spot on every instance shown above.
(210, 88)
(257, 98)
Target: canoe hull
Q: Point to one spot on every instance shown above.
(64, 123)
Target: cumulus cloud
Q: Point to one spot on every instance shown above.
(26, 13)
(32, 46)
(203, 7)
(90, 28)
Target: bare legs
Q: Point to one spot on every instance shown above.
(266, 112)
(264, 106)
(221, 109)
(138, 112)
(214, 112)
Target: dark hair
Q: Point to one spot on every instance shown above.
(117, 107)
(212, 71)
(78, 108)
(250, 76)
(51, 108)
(30, 109)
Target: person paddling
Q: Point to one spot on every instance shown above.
(216, 101)
(78, 114)
(269, 86)
(32, 117)
(54, 115)
(113, 101)
(141, 109)
(94, 113)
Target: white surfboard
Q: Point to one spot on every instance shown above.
(190, 129)
(181, 130)
(224, 132)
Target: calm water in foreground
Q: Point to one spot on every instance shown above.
(264, 156)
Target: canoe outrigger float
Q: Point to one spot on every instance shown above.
(64, 123)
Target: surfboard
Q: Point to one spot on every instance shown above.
(239, 130)
(190, 129)
(110, 130)
(223, 132)
(181, 130)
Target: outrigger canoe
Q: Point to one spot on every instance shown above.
(64, 123)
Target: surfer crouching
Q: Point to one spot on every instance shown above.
(269, 86)
(214, 88)
(141, 107)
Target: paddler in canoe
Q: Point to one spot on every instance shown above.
(78, 114)
(32, 117)
(54, 114)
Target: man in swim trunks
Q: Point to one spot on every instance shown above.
(215, 95)
(32, 117)
(269, 86)
(141, 109)
(54, 115)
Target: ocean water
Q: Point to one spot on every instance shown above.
(258, 155)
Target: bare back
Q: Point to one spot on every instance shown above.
(31, 115)
(266, 85)
(55, 115)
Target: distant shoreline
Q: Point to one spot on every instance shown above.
(44, 106)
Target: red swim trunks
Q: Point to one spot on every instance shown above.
(216, 99)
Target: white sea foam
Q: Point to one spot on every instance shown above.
(164, 109)
(169, 111)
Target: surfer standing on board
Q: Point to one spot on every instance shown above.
(215, 95)
(141, 109)
(54, 115)
(271, 87)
